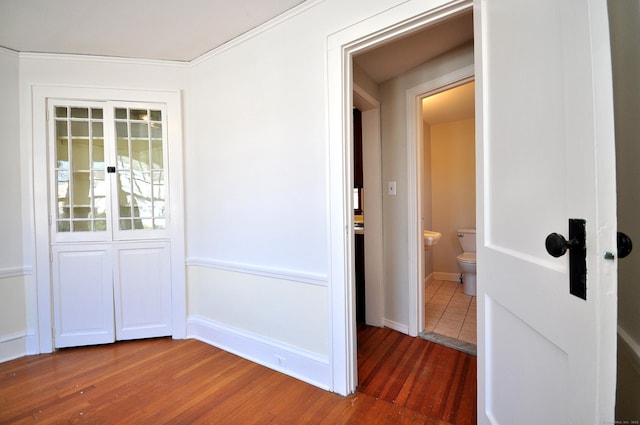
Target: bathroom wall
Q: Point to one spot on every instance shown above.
(453, 196)
(394, 168)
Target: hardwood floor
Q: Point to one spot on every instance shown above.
(403, 380)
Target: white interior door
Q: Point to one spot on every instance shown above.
(545, 155)
(109, 223)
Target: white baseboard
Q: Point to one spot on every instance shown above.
(12, 347)
(400, 327)
(452, 277)
(299, 364)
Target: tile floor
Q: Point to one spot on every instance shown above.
(449, 312)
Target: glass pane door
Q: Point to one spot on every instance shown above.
(140, 163)
(79, 169)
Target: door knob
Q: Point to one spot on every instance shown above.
(624, 245)
(557, 245)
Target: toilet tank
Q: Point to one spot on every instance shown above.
(467, 239)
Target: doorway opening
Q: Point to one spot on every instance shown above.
(396, 166)
(448, 215)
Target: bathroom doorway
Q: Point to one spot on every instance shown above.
(448, 207)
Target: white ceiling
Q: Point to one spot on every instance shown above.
(159, 29)
(184, 30)
(398, 56)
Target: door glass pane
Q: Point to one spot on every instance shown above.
(158, 199)
(141, 186)
(139, 114)
(79, 112)
(61, 112)
(121, 113)
(62, 145)
(99, 196)
(62, 177)
(97, 160)
(124, 194)
(157, 157)
(80, 167)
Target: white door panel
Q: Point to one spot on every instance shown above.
(143, 290)
(545, 155)
(83, 295)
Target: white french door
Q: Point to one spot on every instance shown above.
(110, 248)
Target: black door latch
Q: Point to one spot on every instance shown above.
(557, 246)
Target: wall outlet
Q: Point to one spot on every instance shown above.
(391, 188)
(280, 361)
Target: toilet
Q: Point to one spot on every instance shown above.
(467, 260)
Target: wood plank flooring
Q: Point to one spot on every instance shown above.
(403, 380)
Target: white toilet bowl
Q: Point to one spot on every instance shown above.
(467, 263)
(467, 260)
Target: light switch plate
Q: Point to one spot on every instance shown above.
(391, 188)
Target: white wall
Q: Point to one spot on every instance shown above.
(14, 274)
(625, 33)
(257, 209)
(394, 168)
(453, 193)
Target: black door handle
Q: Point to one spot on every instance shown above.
(557, 246)
(624, 245)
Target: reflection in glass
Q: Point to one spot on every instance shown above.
(155, 115)
(81, 225)
(61, 112)
(98, 154)
(138, 114)
(96, 113)
(141, 191)
(121, 113)
(157, 160)
(79, 112)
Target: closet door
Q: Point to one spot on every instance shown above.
(142, 283)
(80, 225)
(109, 244)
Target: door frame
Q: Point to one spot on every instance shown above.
(393, 23)
(41, 207)
(415, 170)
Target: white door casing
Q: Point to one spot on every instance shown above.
(396, 22)
(415, 169)
(174, 258)
(545, 154)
